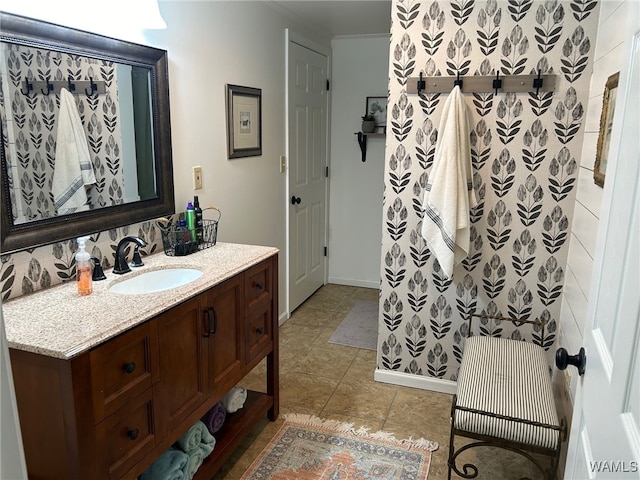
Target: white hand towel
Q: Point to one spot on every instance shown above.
(449, 193)
(234, 400)
(73, 168)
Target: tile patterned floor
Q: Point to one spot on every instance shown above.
(336, 382)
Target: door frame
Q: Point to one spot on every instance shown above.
(619, 184)
(291, 37)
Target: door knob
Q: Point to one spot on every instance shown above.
(295, 200)
(563, 359)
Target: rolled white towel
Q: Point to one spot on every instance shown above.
(234, 400)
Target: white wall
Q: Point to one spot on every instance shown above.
(211, 44)
(607, 61)
(360, 69)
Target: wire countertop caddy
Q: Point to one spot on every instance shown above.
(179, 241)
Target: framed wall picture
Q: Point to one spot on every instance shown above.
(606, 124)
(377, 107)
(244, 121)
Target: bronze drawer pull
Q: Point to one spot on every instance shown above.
(215, 320)
(207, 318)
(210, 312)
(133, 433)
(259, 330)
(129, 367)
(259, 285)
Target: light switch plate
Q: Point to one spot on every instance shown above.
(283, 164)
(197, 178)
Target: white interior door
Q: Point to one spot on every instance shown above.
(307, 167)
(605, 431)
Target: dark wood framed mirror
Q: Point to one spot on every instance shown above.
(121, 92)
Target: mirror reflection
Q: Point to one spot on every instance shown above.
(86, 133)
(77, 132)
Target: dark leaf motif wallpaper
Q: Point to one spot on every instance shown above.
(31, 158)
(408, 11)
(518, 8)
(582, 8)
(404, 55)
(489, 18)
(461, 10)
(525, 151)
(42, 267)
(549, 18)
(433, 34)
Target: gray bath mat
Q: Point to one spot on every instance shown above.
(359, 328)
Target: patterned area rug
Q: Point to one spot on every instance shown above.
(359, 328)
(309, 448)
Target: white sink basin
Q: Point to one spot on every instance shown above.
(156, 281)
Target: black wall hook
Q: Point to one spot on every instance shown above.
(49, 87)
(362, 141)
(421, 84)
(497, 83)
(71, 85)
(92, 86)
(537, 83)
(28, 85)
(458, 81)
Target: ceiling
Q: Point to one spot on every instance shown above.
(338, 17)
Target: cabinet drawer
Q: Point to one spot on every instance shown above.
(125, 437)
(122, 368)
(258, 284)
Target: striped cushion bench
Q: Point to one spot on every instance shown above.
(504, 397)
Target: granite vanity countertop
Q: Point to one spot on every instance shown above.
(58, 322)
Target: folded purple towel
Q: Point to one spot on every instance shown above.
(214, 418)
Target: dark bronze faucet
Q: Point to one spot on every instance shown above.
(121, 265)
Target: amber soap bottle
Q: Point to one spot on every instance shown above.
(83, 268)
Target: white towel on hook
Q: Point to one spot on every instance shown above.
(449, 193)
(73, 168)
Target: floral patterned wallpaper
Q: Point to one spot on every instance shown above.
(524, 148)
(34, 269)
(31, 129)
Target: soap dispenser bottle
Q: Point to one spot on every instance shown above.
(83, 268)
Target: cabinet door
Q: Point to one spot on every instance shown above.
(224, 311)
(183, 363)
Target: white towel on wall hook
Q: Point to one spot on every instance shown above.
(449, 193)
(73, 168)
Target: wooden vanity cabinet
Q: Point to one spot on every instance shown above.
(110, 412)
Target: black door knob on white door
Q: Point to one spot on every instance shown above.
(295, 200)
(563, 359)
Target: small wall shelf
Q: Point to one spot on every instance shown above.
(362, 141)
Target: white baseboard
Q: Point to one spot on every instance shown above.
(283, 318)
(354, 283)
(415, 381)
